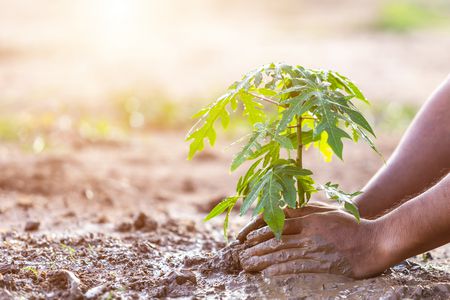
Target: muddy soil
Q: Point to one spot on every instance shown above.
(123, 220)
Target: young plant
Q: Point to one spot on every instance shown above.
(310, 107)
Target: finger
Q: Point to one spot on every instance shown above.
(258, 263)
(258, 221)
(273, 245)
(291, 226)
(307, 210)
(255, 223)
(298, 266)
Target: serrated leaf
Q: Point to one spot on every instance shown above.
(324, 147)
(306, 183)
(204, 128)
(225, 118)
(252, 109)
(351, 208)
(266, 92)
(349, 86)
(261, 151)
(221, 207)
(225, 224)
(335, 134)
(332, 192)
(254, 192)
(258, 79)
(369, 141)
(272, 155)
(359, 119)
(274, 217)
(284, 141)
(297, 106)
(292, 89)
(244, 181)
(271, 192)
(270, 201)
(289, 191)
(294, 171)
(307, 138)
(200, 113)
(355, 135)
(248, 150)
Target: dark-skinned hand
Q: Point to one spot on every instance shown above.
(316, 239)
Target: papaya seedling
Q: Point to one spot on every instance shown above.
(290, 108)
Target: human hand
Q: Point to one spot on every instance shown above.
(325, 242)
(258, 222)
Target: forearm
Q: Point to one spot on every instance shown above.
(421, 159)
(419, 225)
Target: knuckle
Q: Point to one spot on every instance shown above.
(274, 243)
(283, 256)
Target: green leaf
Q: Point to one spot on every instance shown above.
(272, 155)
(324, 147)
(292, 90)
(254, 192)
(204, 128)
(349, 86)
(225, 118)
(284, 141)
(225, 224)
(359, 119)
(274, 217)
(332, 192)
(289, 191)
(297, 106)
(221, 207)
(335, 134)
(266, 92)
(248, 150)
(355, 135)
(307, 138)
(369, 141)
(200, 113)
(242, 185)
(270, 201)
(258, 79)
(252, 109)
(263, 150)
(351, 208)
(271, 192)
(294, 171)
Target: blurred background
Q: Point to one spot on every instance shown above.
(104, 69)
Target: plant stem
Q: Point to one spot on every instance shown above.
(300, 191)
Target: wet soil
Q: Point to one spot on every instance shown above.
(123, 220)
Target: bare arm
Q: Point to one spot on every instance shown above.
(420, 160)
(417, 226)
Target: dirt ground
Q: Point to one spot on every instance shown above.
(112, 220)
